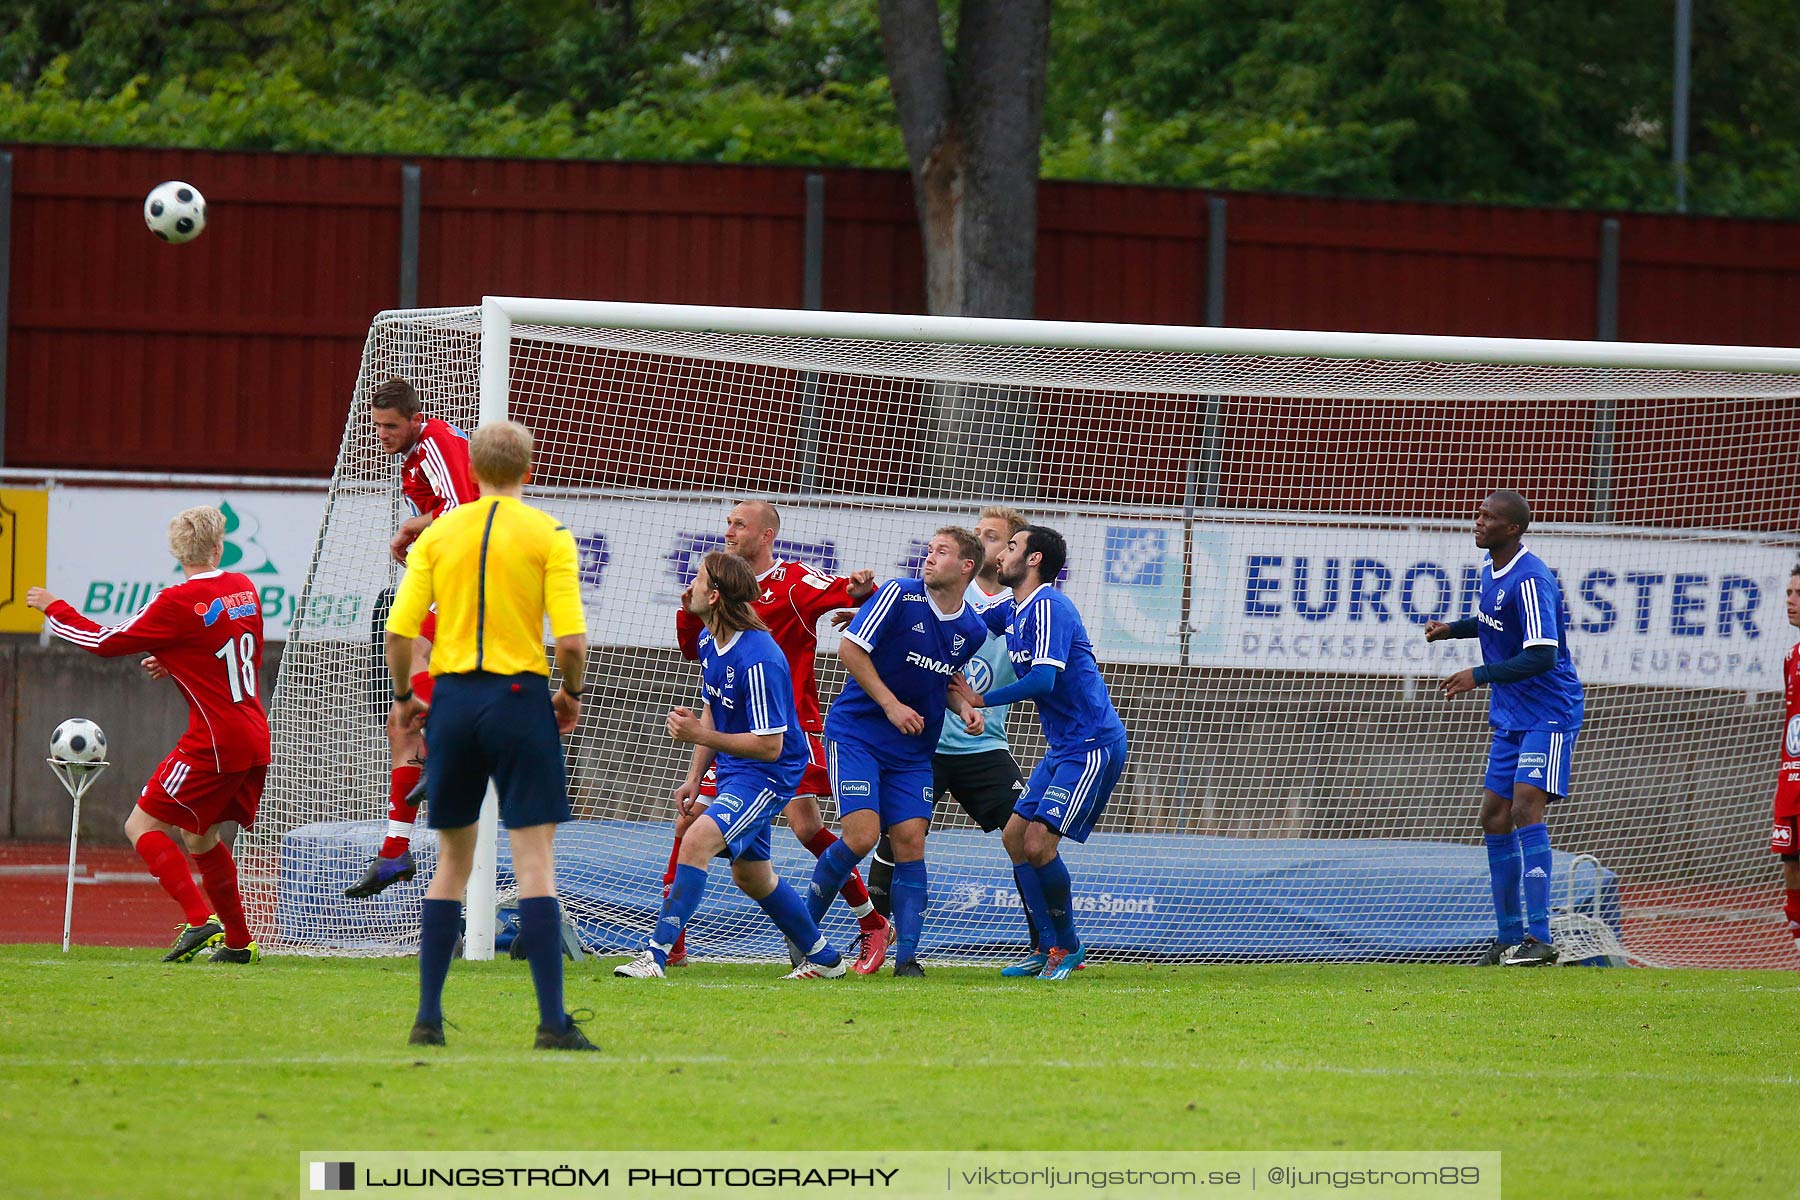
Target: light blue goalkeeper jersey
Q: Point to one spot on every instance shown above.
(990, 668)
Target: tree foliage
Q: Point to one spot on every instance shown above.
(1527, 101)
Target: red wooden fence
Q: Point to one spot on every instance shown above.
(237, 352)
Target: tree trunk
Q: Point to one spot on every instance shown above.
(972, 129)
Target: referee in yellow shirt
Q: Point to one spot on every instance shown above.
(495, 569)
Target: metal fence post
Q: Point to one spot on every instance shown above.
(409, 235)
(812, 298)
(1606, 329)
(1215, 316)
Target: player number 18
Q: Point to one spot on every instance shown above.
(239, 656)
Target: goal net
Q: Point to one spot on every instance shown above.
(1259, 523)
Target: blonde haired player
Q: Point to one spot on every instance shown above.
(790, 600)
(205, 633)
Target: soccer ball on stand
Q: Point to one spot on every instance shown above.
(175, 211)
(78, 740)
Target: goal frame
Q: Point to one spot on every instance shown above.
(500, 315)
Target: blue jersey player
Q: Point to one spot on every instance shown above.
(1070, 786)
(901, 650)
(1535, 709)
(749, 734)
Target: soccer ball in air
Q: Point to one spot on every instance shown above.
(175, 211)
(78, 740)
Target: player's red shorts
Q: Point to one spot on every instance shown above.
(189, 796)
(814, 781)
(1786, 839)
(428, 627)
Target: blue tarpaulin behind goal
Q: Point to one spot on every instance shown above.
(1170, 897)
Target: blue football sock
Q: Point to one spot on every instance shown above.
(540, 925)
(1031, 896)
(788, 911)
(1505, 869)
(684, 898)
(1053, 877)
(909, 909)
(439, 923)
(1534, 849)
(829, 875)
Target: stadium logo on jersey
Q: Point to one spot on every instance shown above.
(980, 675)
(1793, 737)
(685, 555)
(236, 605)
(930, 664)
(853, 787)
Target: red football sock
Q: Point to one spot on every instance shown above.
(218, 872)
(401, 815)
(679, 949)
(1793, 912)
(855, 894)
(169, 865)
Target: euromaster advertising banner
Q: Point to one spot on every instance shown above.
(1641, 609)
(1648, 608)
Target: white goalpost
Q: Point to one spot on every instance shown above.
(1259, 522)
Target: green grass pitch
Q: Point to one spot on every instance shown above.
(120, 1076)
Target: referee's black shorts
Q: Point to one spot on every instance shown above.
(985, 784)
(500, 726)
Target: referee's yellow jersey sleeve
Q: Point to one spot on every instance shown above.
(562, 586)
(414, 598)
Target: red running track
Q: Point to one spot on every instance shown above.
(117, 902)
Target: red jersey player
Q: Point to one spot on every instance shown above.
(794, 597)
(435, 478)
(1786, 841)
(206, 634)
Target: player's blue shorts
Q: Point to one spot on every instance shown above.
(861, 779)
(1068, 790)
(500, 726)
(1539, 757)
(745, 810)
